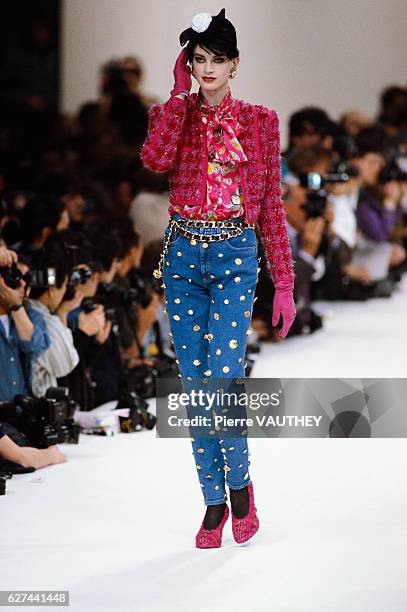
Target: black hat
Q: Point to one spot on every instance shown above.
(205, 28)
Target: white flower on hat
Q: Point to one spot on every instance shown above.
(200, 22)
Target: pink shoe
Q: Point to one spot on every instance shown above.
(245, 528)
(211, 538)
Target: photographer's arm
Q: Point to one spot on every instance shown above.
(28, 456)
(11, 298)
(39, 340)
(23, 323)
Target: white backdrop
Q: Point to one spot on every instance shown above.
(293, 52)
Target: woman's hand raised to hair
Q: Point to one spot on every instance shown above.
(182, 75)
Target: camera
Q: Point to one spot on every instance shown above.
(139, 416)
(89, 305)
(78, 276)
(42, 278)
(113, 296)
(12, 276)
(315, 206)
(77, 256)
(48, 420)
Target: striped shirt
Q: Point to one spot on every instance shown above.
(59, 359)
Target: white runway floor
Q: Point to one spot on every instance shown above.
(333, 529)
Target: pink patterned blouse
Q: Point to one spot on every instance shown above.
(224, 199)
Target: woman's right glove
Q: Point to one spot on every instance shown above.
(182, 75)
(284, 305)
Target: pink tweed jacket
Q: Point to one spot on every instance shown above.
(176, 142)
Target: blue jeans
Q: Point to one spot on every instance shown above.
(209, 293)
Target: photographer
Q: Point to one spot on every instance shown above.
(90, 328)
(107, 363)
(23, 333)
(48, 298)
(309, 219)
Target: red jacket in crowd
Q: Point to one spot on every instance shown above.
(176, 142)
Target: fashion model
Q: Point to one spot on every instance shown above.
(223, 156)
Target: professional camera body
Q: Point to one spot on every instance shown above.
(314, 182)
(48, 420)
(12, 276)
(139, 417)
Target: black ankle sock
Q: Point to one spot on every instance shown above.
(239, 500)
(213, 516)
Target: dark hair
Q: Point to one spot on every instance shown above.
(219, 37)
(40, 211)
(310, 119)
(390, 94)
(372, 139)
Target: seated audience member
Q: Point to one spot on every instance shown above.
(377, 205)
(28, 456)
(48, 299)
(378, 212)
(23, 333)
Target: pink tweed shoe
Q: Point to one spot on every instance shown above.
(211, 538)
(245, 528)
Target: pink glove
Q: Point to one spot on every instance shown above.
(283, 304)
(182, 75)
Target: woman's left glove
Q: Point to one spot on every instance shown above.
(283, 304)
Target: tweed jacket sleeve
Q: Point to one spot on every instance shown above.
(165, 125)
(271, 220)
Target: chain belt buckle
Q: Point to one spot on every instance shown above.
(200, 237)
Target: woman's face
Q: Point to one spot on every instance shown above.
(207, 64)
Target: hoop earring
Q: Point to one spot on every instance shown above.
(232, 73)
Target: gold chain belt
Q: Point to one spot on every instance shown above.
(236, 229)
